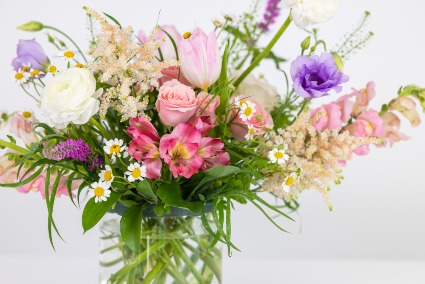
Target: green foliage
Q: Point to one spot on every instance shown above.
(145, 189)
(171, 195)
(130, 227)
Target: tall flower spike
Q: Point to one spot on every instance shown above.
(270, 15)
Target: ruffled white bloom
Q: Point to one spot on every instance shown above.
(247, 110)
(71, 96)
(100, 191)
(106, 174)
(115, 148)
(306, 12)
(289, 181)
(278, 155)
(136, 172)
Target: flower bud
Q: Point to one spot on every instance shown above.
(32, 26)
(305, 44)
(338, 62)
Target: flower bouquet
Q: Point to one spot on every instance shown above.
(165, 132)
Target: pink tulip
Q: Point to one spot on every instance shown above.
(363, 97)
(200, 59)
(144, 146)
(327, 117)
(392, 126)
(407, 107)
(368, 124)
(176, 103)
(23, 128)
(260, 121)
(179, 150)
(211, 151)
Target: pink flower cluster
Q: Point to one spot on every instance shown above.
(185, 150)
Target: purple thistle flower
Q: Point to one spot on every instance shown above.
(315, 77)
(77, 150)
(270, 15)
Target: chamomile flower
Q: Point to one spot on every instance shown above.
(100, 191)
(79, 65)
(136, 172)
(67, 54)
(289, 181)
(52, 69)
(251, 132)
(115, 148)
(278, 156)
(247, 110)
(27, 114)
(20, 77)
(106, 174)
(35, 73)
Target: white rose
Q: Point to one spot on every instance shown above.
(71, 97)
(259, 90)
(306, 12)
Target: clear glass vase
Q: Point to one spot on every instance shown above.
(173, 249)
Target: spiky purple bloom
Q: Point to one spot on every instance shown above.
(315, 77)
(96, 162)
(77, 150)
(270, 15)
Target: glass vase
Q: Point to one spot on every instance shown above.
(173, 249)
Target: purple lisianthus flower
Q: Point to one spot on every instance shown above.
(30, 52)
(315, 77)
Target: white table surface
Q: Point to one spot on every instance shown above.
(75, 270)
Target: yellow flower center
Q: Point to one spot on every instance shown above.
(27, 114)
(107, 176)
(99, 191)
(187, 35)
(68, 54)
(278, 155)
(19, 76)
(115, 149)
(218, 23)
(251, 131)
(79, 65)
(241, 102)
(136, 173)
(34, 73)
(289, 181)
(24, 68)
(53, 69)
(248, 111)
(180, 152)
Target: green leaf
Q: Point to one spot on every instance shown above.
(158, 209)
(171, 195)
(145, 189)
(113, 20)
(222, 171)
(131, 223)
(93, 212)
(13, 140)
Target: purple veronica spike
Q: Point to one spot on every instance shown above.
(77, 150)
(270, 15)
(29, 51)
(315, 77)
(96, 162)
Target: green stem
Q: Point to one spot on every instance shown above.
(100, 127)
(179, 250)
(13, 146)
(264, 53)
(69, 38)
(303, 105)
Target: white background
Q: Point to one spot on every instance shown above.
(376, 232)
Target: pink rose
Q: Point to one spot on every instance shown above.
(171, 73)
(326, 117)
(176, 103)
(258, 123)
(407, 107)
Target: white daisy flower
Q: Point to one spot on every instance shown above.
(251, 132)
(278, 156)
(247, 110)
(67, 54)
(115, 148)
(136, 172)
(106, 174)
(289, 181)
(20, 77)
(52, 69)
(27, 114)
(100, 191)
(35, 73)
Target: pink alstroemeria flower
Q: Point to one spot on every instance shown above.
(144, 146)
(200, 58)
(211, 151)
(179, 150)
(202, 123)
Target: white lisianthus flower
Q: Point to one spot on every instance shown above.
(306, 12)
(71, 96)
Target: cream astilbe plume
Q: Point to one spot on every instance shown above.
(317, 156)
(130, 68)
